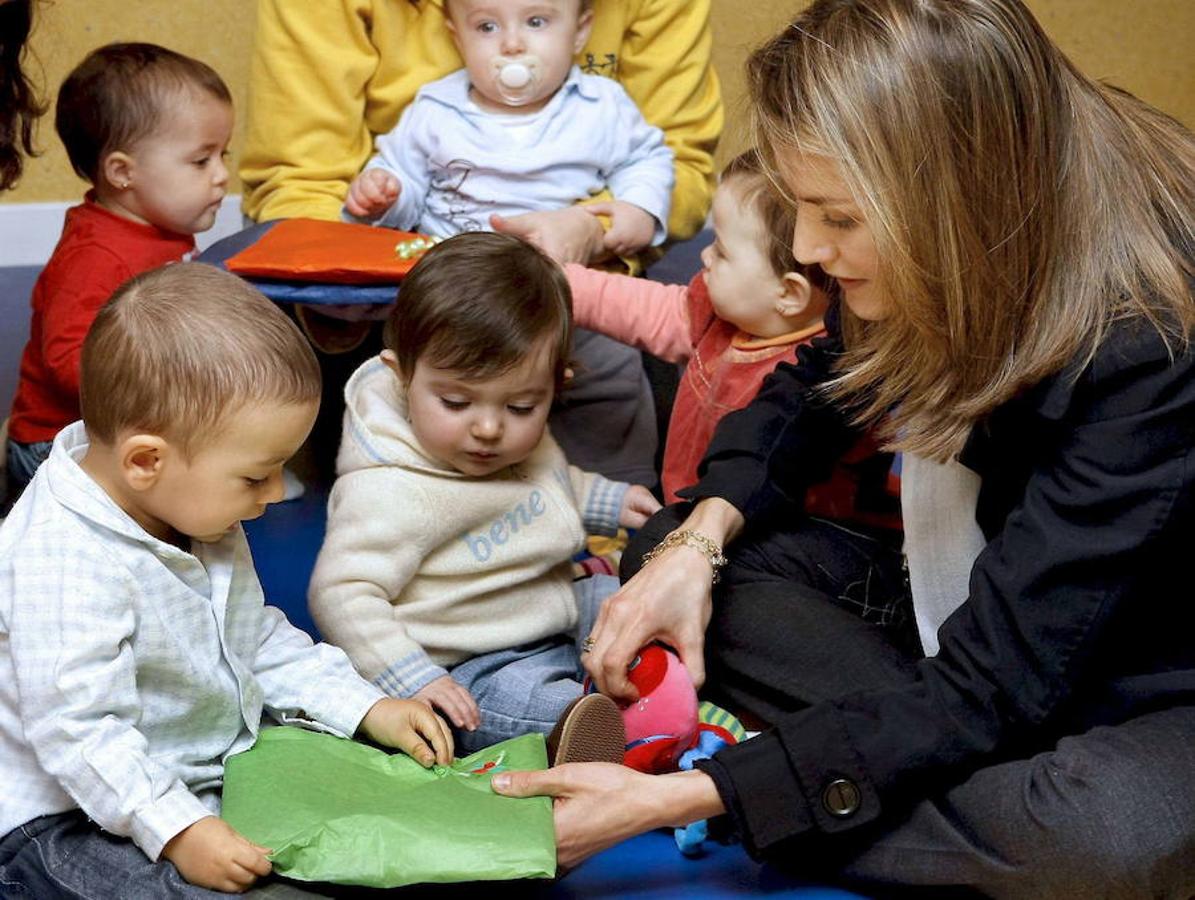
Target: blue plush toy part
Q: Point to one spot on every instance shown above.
(690, 840)
(716, 729)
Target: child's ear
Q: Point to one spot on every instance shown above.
(390, 361)
(795, 294)
(456, 38)
(584, 27)
(142, 458)
(117, 170)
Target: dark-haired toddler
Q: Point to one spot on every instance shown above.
(446, 572)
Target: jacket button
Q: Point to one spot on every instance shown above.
(841, 798)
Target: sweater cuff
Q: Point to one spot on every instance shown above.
(154, 824)
(409, 675)
(604, 506)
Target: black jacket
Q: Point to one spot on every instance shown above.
(1081, 608)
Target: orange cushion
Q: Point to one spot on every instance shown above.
(319, 250)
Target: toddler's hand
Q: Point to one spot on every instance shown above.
(638, 505)
(631, 227)
(452, 699)
(211, 854)
(372, 193)
(410, 726)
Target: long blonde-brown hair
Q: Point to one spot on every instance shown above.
(1018, 207)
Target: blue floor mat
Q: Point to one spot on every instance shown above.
(650, 867)
(285, 542)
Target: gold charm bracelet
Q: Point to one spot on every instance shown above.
(695, 539)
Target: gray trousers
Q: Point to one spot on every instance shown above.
(1108, 813)
(605, 418)
(816, 612)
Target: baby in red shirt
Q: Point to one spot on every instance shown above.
(149, 129)
(749, 309)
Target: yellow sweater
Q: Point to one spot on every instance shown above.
(328, 76)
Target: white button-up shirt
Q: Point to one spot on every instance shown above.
(130, 670)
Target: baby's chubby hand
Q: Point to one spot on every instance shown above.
(453, 699)
(410, 726)
(631, 227)
(372, 193)
(210, 853)
(638, 505)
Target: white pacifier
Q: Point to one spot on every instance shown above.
(516, 79)
(515, 75)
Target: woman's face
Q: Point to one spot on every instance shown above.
(832, 233)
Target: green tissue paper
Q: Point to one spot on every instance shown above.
(339, 811)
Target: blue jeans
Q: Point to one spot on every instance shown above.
(66, 856)
(527, 688)
(22, 463)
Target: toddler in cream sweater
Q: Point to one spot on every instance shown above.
(446, 571)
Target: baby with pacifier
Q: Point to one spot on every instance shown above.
(519, 129)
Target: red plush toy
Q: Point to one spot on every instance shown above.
(662, 723)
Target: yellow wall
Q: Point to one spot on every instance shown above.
(220, 32)
(1142, 46)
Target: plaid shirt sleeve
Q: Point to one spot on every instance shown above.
(302, 681)
(77, 685)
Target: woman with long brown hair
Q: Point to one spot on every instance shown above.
(19, 104)
(1014, 249)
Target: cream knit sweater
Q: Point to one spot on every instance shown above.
(423, 567)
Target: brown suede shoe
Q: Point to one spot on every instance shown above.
(589, 730)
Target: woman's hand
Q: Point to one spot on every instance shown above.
(638, 505)
(668, 600)
(568, 235)
(410, 726)
(453, 699)
(599, 804)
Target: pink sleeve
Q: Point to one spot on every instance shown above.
(645, 314)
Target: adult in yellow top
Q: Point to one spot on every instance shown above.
(327, 77)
